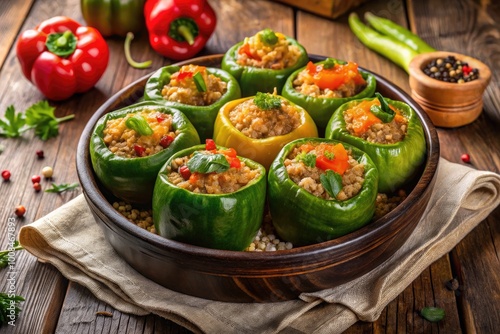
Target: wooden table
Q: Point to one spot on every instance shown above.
(53, 304)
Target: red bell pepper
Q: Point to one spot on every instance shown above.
(61, 57)
(179, 29)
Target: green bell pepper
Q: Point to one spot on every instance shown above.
(202, 117)
(113, 17)
(397, 162)
(227, 221)
(302, 218)
(132, 179)
(321, 109)
(255, 79)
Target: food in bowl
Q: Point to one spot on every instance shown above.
(259, 126)
(198, 91)
(209, 196)
(321, 189)
(129, 146)
(389, 131)
(262, 62)
(322, 87)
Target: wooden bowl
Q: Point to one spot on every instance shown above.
(250, 276)
(448, 104)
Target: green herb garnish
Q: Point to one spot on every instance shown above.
(330, 63)
(268, 37)
(432, 314)
(384, 112)
(59, 188)
(267, 101)
(309, 159)
(139, 125)
(40, 116)
(329, 155)
(332, 182)
(4, 254)
(208, 163)
(7, 303)
(12, 124)
(199, 82)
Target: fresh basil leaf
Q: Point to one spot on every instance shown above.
(332, 182)
(432, 314)
(208, 163)
(139, 125)
(309, 159)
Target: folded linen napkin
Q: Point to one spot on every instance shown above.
(71, 240)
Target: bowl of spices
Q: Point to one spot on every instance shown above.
(449, 86)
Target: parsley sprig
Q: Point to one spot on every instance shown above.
(39, 116)
(6, 302)
(4, 254)
(59, 188)
(267, 101)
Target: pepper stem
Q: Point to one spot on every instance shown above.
(61, 44)
(185, 32)
(63, 40)
(128, 56)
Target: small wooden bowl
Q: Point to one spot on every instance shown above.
(448, 104)
(252, 276)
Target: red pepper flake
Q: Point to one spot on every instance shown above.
(139, 150)
(37, 186)
(185, 172)
(165, 141)
(160, 117)
(184, 74)
(6, 175)
(210, 145)
(465, 158)
(36, 179)
(20, 211)
(39, 154)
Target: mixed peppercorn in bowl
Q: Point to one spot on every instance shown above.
(309, 198)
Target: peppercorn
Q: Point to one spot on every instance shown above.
(39, 154)
(37, 186)
(20, 211)
(451, 70)
(6, 175)
(36, 179)
(465, 158)
(47, 172)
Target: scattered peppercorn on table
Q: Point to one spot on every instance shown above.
(465, 283)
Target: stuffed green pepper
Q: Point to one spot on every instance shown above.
(320, 88)
(264, 61)
(389, 131)
(129, 146)
(320, 189)
(210, 197)
(198, 91)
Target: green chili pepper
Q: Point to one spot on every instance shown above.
(396, 51)
(321, 109)
(302, 218)
(139, 125)
(397, 163)
(221, 221)
(199, 82)
(394, 30)
(132, 179)
(202, 117)
(255, 79)
(384, 112)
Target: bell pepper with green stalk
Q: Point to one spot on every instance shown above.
(132, 179)
(202, 117)
(255, 79)
(114, 17)
(397, 163)
(226, 221)
(262, 150)
(302, 218)
(322, 108)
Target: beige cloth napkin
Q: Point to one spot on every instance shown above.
(70, 239)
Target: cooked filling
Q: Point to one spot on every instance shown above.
(362, 123)
(235, 177)
(267, 49)
(187, 87)
(126, 141)
(308, 162)
(330, 80)
(258, 123)
(385, 204)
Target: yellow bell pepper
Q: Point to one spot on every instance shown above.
(264, 150)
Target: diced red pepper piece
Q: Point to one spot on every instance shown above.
(184, 74)
(311, 68)
(139, 150)
(160, 117)
(210, 144)
(166, 140)
(185, 172)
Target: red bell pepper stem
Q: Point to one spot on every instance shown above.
(185, 32)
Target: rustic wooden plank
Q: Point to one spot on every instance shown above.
(12, 15)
